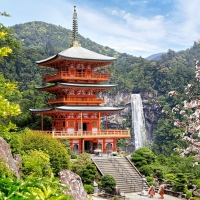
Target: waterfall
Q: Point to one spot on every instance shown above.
(138, 121)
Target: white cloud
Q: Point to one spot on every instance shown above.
(119, 27)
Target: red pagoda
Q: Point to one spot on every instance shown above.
(76, 110)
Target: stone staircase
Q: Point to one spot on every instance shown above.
(125, 173)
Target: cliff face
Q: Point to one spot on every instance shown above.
(124, 118)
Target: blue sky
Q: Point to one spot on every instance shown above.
(136, 27)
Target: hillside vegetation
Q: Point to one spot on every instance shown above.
(132, 74)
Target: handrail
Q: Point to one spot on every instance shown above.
(136, 169)
(122, 171)
(63, 75)
(88, 134)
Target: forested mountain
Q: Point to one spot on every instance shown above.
(132, 74)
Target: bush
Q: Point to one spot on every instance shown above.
(79, 164)
(5, 171)
(188, 194)
(89, 174)
(36, 163)
(32, 188)
(73, 156)
(108, 183)
(89, 188)
(143, 156)
(149, 178)
(59, 157)
(146, 170)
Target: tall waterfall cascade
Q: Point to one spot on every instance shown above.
(138, 121)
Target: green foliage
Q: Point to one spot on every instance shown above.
(143, 156)
(108, 183)
(170, 178)
(79, 164)
(146, 170)
(89, 189)
(89, 174)
(32, 188)
(8, 107)
(59, 157)
(73, 156)
(5, 171)
(36, 163)
(180, 182)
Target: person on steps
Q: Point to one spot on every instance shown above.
(161, 192)
(151, 191)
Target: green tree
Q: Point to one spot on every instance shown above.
(108, 183)
(79, 164)
(58, 154)
(143, 156)
(36, 163)
(89, 174)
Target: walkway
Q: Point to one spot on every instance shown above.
(137, 196)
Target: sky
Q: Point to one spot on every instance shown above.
(136, 27)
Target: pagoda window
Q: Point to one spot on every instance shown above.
(99, 146)
(71, 123)
(63, 124)
(109, 146)
(94, 123)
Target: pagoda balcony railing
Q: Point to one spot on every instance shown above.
(76, 76)
(109, 133)
(76, 100)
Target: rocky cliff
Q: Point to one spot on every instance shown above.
(124, 119)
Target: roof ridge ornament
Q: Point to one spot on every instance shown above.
(75, 29)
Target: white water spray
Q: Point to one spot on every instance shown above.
(138, 121)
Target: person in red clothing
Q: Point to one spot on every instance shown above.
(151, 191)
(161, 192)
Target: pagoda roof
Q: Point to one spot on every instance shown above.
(76, 85)
(79, 53)
(78, 109)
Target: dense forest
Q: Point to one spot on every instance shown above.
(132, 74)
(171, 79)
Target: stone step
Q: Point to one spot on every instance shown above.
(107, 167)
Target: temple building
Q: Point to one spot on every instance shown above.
(75, 78)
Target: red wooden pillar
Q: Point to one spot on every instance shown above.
(114, 144)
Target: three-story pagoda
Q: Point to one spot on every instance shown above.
(76, 110)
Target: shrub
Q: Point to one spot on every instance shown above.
(89, 188)
(32, 188)
(149, 178)
(73, 156)
(146, 170)
(188, 194)
(170, 178)
(143, 156)
(108, 183)
(79, 164)
(89, 174)
(36, 163)
(158, 173)
(180, 183)
(5, 171)
(59, 157)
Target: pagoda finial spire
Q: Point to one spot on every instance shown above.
(75, 29)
